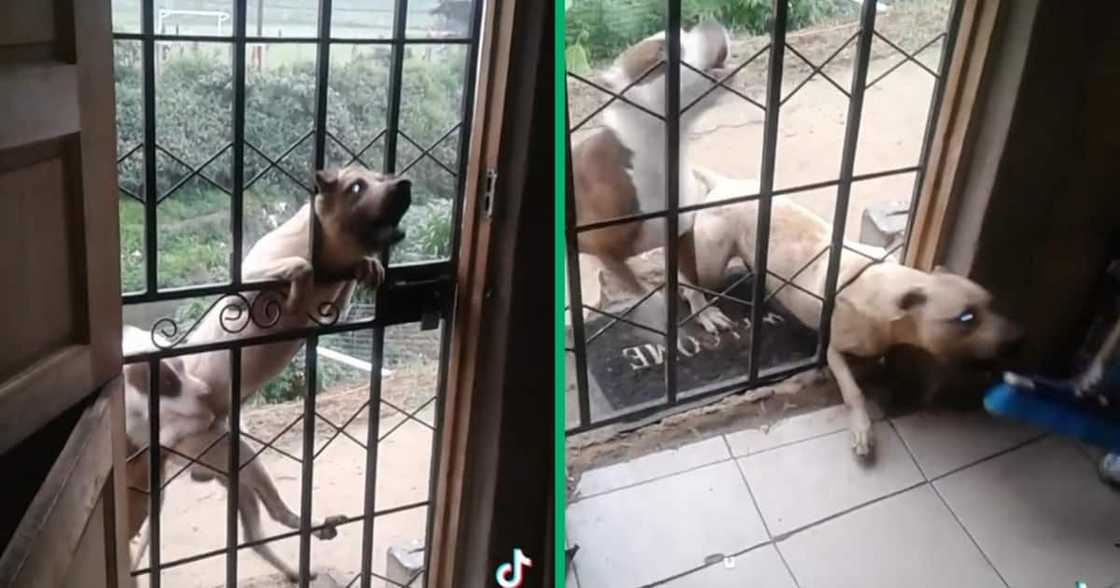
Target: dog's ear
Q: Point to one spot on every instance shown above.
(170, 382)
(326, 181)
(912, 299)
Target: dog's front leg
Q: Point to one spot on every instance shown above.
(859, 423)
(296, 271)
(710, 317)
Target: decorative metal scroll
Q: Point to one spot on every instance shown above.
(236, 311)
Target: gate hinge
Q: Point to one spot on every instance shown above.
(488, 192)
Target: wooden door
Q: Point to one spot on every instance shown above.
(60, 295)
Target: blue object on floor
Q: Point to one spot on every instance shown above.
(1049, 405)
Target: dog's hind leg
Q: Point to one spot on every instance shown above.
(250, 512)
(260, 482)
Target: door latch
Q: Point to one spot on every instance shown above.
(488, 192)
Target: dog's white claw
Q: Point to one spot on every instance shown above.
(371, 272)
(861, 442)
(713, 320)
(861, 435)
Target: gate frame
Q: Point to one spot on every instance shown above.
(946, 77)
(414, 292)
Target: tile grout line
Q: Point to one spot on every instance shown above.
(1000, 453)
(687, 470)
(705, 566)
(761, 517)
(789, 534)
(945, 503)
(968, 534)
(729, 450)
(909, 451)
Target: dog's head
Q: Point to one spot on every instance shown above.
(362, 208)
(705, 47)
(953, 319)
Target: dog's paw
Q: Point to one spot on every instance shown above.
(862, 440)
(713, 320)
(329, 531)
(299, 274)
(370, 272)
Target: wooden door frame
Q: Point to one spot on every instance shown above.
(489, 398)
(954, 136)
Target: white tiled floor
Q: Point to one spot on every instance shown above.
(951, 500)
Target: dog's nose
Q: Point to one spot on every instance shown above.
(400, 191)
(1013, 344)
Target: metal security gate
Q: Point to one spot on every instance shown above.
(418, 292)
(664, 388)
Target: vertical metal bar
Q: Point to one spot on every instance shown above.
(322, 80)
(931, 117)
(311, 374)
(322, 71)
(237, 201)
(575, 296)
(766, 179)
(151, 192)
(155, 472)
(467, 117)
(672, 187)
(233, 465)
(396, 67)
(847, 163)
(372, 434)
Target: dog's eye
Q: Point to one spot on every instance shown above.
(357, 187)
(967, 317)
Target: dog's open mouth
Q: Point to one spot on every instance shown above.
(387, 231)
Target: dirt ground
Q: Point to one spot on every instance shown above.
(195, 513)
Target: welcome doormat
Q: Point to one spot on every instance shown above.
(628, 363)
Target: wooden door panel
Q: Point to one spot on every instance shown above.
(43, 313)
(60, 301)
(71, 528)
(60, 309)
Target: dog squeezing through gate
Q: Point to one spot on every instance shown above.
(359, 212)
(620, 170)
(878, 305)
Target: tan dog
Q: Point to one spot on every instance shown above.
(620, 170)
(359, 212)
(886, 304)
